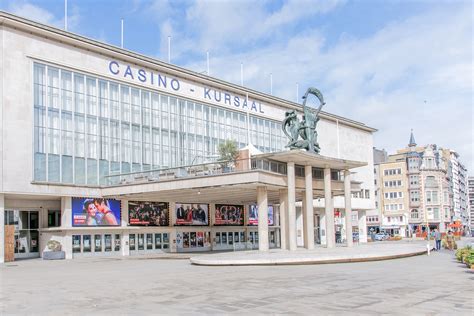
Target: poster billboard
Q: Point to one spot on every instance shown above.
(148, 213)
(191, 214)
(231, 215)
(253, 215)
(95, 212)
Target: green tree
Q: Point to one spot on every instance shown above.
(228, 152)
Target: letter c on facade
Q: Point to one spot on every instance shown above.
(111, 69)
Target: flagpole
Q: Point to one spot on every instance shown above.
(169, 49)
(121, 33)
(65, 15)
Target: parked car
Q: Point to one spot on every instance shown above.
(381, 236)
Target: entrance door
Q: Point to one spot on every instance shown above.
(26, 225)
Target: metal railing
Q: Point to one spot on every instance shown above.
(208, 169)
(194, 170)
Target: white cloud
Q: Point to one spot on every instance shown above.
(381, 80)
(36, 13)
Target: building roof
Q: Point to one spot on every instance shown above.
(412, 142)
(124, 54)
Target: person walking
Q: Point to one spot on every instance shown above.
(437, 237)
(450, 240)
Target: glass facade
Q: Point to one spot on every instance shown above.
(86, 128)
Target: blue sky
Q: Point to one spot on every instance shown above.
(394, 65)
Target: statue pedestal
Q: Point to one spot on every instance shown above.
(54, 255)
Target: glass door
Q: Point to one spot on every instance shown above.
(26, 232)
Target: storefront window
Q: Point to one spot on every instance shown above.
(132, 241)
(98, 243)
(54, 218)
(218, 238)
(242, 236)
(230, 239)
(157, 241)
(108, 242)
(76, 243)
(141, 242)
(117, 242)
(86, 241)
(166, 241)
(149, 241)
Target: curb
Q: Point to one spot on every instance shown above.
(282, 262)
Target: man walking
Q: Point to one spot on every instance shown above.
(437, 237)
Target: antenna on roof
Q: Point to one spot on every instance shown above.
(242, 74)
(207, 55)
(121, 33)
(65, 15)
(271, 84)
(169, 49)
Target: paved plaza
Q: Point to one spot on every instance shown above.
(434, 284)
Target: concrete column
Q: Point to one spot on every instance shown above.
(322, 227)
(124, 216)
(299, 227)
(2, 228)
(348, 207)
(362, 227)
(125, 242)
(262, 202)
(66, 221)
(291, 206)
(212, 215)
(330, 236)
(66, 211)
(284, 218)
(308, 215)
(276, 215)
(173, 232)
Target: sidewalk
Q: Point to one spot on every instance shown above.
(320, 255)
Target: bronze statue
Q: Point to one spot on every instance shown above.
(306, 129)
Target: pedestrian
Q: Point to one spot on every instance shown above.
(437, 237)
(450, 240)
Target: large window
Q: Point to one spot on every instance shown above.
(432, 197)
(86, 128)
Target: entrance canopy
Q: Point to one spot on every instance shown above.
(238, 184)
(305, 158)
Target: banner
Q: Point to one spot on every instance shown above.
(191, 214)
(232, 215)
(95, 212)
(253, 215)
(148, 213)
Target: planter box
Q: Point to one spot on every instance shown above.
(54, 255)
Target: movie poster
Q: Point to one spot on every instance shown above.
(230, 215)
(191, 214)
(253, 215)
(95, 212)
(148, 213)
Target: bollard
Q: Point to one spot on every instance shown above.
(428, 248)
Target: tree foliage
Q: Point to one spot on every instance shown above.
(228, 152)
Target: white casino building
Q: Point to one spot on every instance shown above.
(83, 120)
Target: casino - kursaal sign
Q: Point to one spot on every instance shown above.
(172, 84)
